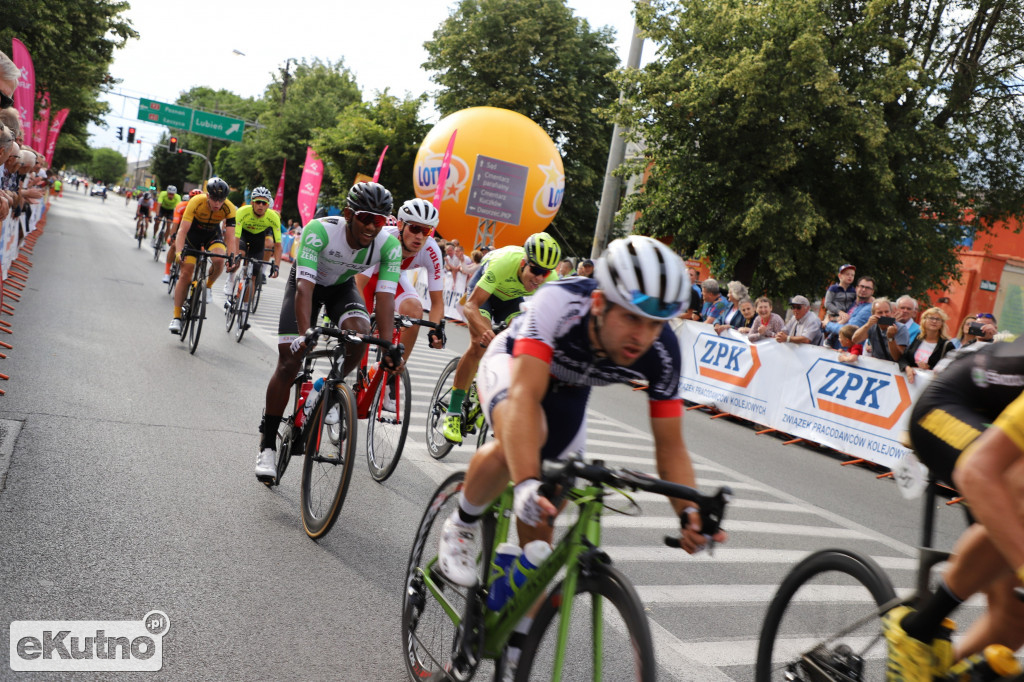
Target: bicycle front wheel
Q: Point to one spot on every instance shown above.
(159, 246)
(197, 312)
(230, 313)
(330, 453)
(140, 232)
(428, 632)
(256, 294)
(173, 281)
(386, 429)
(437, 445)
(609, 636)
(244, 291)
(826, 615)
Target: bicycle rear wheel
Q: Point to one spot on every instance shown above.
(242, 308)
(603, 643)
(330, 455)
(385, 430)
(428, 633)
(173, 281)
(140, 232)
(256, 293)
(826, 616)
(197, 312)
(230, 312)
(159, 246)
(437, 445)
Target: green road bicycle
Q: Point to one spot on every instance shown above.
(447, 630)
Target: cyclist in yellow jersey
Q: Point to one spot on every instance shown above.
(253, 224)
(200, 229)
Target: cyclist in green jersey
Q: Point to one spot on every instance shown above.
(497, 288)
(253, 224)
(166, 201)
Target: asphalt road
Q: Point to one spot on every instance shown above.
(129, 487)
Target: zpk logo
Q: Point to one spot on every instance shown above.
(865, 395)
(726, 360)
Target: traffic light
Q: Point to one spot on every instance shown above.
(120, 132)
(131, 135)
(172, 146)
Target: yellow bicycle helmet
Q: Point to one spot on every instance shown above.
(542, 250)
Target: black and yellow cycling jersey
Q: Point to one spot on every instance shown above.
(198, 213)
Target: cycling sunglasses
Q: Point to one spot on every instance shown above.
(365, 217)
(262, 202)
(5, 101)
(989, 316)
(418, 229)
(655, 307)
(538, 271)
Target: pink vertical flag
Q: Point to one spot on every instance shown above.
(42, 125)
(309, 185)
(51, 140)
(279, 197)
(380, 162)
(442, 177)
(25, 93)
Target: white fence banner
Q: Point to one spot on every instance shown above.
(860, 409)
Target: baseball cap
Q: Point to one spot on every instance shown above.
(799, 300)
(846, 267)
(587, 261)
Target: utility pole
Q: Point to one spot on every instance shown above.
(616, 153)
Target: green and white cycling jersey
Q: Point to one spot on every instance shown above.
(500, 276)
(325, 257)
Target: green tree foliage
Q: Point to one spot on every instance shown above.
(784, 137)
(72, 45)
(107, 166)
(354, 143)
(535, 57)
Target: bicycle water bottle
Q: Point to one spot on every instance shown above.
(311, 399)
(504, 557)
(994, 663)
(533, 556)
(300, 415)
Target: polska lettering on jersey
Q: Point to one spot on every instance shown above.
(726, 360)
(865, 395)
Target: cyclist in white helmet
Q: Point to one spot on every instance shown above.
(536, 376)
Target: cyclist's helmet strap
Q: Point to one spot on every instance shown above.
(542, 250)
(644, 276)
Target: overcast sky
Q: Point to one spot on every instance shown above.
(189, 43)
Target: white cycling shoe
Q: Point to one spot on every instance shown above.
(266, 467)
(458, 550)
(175, 326)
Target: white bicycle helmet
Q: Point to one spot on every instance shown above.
(418, 211)
(171, 189)
(644, 276)
(262, 193)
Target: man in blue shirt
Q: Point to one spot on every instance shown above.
(859, 312)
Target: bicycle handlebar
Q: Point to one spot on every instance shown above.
(394, 350)
(711, 507)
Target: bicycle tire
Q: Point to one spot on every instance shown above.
(159, 247)
(286, 445)
(140, 232)
(428, 633)
(630, 658)
(256, 296)
(186, 314)
(855, 590)
(320, 506)
(437, 445)
(197, 313)
(173, 281)
(385, 439)
(230, 313)
(242, 310)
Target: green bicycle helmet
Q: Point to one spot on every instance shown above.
(542, 250)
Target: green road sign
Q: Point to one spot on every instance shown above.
(221, 127)
(184, 118)
(170, 115)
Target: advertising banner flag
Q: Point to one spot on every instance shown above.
(380, 162)
(309, 185)
(25, 93)
(51, 140)
(41, 125)
(442, 177)
(279, 197)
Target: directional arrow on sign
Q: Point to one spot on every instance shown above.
(231, 129)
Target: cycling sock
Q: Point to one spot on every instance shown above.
(167, 268)
(269, 427)
(177, 312)
(924, 624)
(209, 282)
(469, 512)
(455, 406)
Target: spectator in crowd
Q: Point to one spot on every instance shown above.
(964, 337)
(841, 296)
(564, 268)
(470, 269)
(930, 346)
(767, 324)
(715, 304)
(802, 327)
(696, 298)
(988, 324)
(9, 118)
(906, 311)
(7, 145)
(849, 351)
(9, 75)
(586, 268)
(748, 314)
(859, 312)
(886, 340)
(732, 318)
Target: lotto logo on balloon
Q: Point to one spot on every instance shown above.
(428, 169)
(547, 201)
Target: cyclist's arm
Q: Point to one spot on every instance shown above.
(179, 239)
(478, 324)
(304, 303)
(436, 306)
(277, 258)
(982, 474)
(361, 281)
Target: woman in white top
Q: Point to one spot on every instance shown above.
(929, 346)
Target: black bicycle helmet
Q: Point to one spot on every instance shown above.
(370, 196)
(216, 189)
